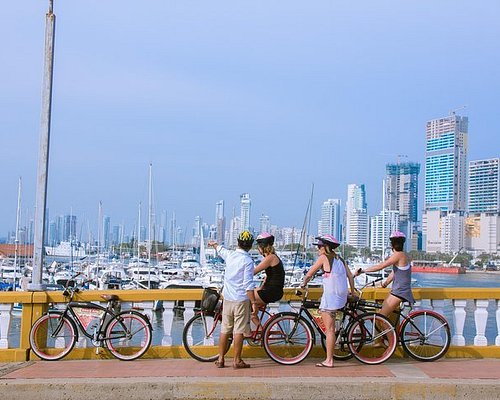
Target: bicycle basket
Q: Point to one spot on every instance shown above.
(209, 300)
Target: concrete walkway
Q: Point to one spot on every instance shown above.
(189, 379)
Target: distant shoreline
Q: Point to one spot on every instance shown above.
(473, 271)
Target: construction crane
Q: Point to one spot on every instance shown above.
(454, 111)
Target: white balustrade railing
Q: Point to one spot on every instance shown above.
(474, 322)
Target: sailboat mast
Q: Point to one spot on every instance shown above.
(16, 241)
(99, 220)
(150, 212)
(139, 233)
(149, 224)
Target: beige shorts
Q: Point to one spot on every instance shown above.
(236, 317)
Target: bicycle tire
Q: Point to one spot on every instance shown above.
(366, 332)
(425, 335)
(200, 337)
(342, 351)
(128, 335)
(280, 346)
(49, 339)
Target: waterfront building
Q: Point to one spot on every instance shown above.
(484, 186)
(381, 227)
(445, 183)
(115, 236)
(245, 204)
(234, 231)
(482, 233)
(446, 163)
(69, 228)
(106, 231)
(329, 223)
(220, 221)
(356, 216)
(401, 192)
(264, 223)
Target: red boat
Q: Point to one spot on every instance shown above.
(436, 267)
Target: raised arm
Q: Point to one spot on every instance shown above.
(392, 260)
(317, 265)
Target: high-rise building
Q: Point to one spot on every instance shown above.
(381, 227)
(245, 204)
(69, 228)
(356, 216)
(401, 185)
(220, 221)
(484, 186)
(446, 163)
(445, 184)
(106, 231)
(264, 223)
(330, 218)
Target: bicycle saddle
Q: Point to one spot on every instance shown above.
(110, 297)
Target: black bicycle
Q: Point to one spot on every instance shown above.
(126, 334)
(289, 337)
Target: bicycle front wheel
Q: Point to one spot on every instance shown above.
(201, 337)
(53, 336)
(425, 335)
(288, 338)
(128, 335)
(371, 338)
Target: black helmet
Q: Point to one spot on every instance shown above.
(265, 239)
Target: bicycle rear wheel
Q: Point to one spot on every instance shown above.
(201, 337)
(53, 336)
(372, 338)
(425, 335)
(288, 338)
(128, 335)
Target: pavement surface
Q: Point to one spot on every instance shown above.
(189, 379)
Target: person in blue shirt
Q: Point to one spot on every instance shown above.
(238, 295)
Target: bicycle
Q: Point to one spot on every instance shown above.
(289, 337)
(201, 334)
(126, 334)
(424, 334)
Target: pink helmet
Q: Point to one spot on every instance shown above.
(397, 234)
(328, 240)
(265, 239)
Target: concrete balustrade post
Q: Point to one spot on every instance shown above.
(438, 306)
(188, 310)
(274, 308)
(168, 320)
(480, 318)
(459, 315)
(147, 308)
(5, 321)
(497, 339)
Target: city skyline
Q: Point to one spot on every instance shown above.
(259, 100)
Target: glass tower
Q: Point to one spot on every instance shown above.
(245, 204)
(484, 186)
(446, 164)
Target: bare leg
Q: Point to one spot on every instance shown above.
(255, 308)
(329, 322)
(237, 347)
(389, 305)
(224, 337)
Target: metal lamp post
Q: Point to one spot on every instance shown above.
(43, 157)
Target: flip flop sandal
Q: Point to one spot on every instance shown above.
(322, 365)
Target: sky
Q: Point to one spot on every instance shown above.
(231, 97)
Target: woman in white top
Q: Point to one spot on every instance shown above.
(335, 291)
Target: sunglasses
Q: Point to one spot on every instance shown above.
(320, 246)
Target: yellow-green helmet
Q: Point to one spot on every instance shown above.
(245, 239)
